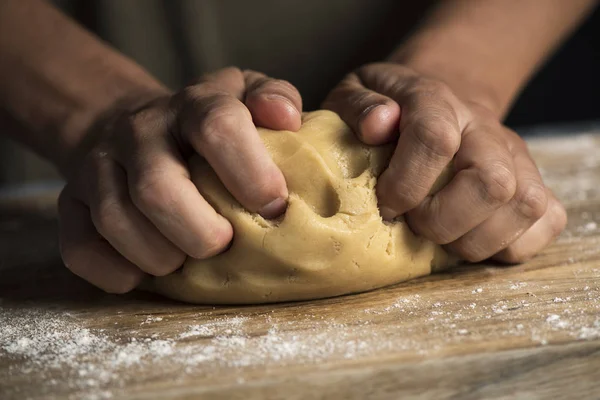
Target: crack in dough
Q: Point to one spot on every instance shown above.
(331, 240)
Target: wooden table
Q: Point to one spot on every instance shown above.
(478, 331)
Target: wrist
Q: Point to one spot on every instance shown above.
(81, 130)
(58, 80)
(468, 76)
(487, 50)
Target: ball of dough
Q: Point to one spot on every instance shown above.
(331, 240)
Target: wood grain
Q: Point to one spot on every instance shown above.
(529, 331)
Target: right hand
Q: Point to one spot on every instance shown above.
(495, 205)
(130, 208)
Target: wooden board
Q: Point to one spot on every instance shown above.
(477, 331)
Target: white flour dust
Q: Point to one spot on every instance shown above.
(63, 355)
(578, 181)
(57, 348)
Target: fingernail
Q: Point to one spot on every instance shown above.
(273, 209)
(387, 213)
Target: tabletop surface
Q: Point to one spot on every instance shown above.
(480, 330)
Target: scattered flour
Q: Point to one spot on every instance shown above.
(150, 319)
(57, 348)
(517, 285)
(573, 184)
(54, 346)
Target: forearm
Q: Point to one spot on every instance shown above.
(56, 79)
(486, 50)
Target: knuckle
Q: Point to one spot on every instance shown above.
(367, 68)
(363, 100)
(403, 89)
(407, 195)
(125, 284)
(233, 70)
(389, 77)
(151, 192)
(442, 236)
(140, 123)
(438, 135)
(216, 125)
(276, 85)
(136, 126)
(215, 243)
(497, 183)
(190, 94)
(532, 200)
(365, 72)
(471, 255)
(432, 87)
(410, 199)
(439, 233)
(429, 228)
(559, 217)
(210, 116)
(108, 216)
(216, 77)
(348, 82)
(165, 263)
(198, 98)
(511, 255)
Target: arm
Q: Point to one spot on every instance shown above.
(57, 80)
(123, 141)
(442, 96)
(487, 50)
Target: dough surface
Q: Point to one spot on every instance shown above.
(331, 240)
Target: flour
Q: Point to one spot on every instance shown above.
(571, 184)
(517, 285)
(57, 348)
(150, 319)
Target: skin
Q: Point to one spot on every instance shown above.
(496, 195)
(443, 95)
(122, 140)
(132, 208)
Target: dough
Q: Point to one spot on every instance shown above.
(331, 240)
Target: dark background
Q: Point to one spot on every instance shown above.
(566, 89)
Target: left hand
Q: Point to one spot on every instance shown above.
(496, 204)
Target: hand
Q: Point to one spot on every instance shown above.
(496, 204)
(131, 208)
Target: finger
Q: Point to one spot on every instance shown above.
(228, 80)
(509, 222)
(484, 182)
(219, 127)
(372, 116)
(430, 135)
(273, 103)
(160, 187)
(540, 235)
(87, 255)
(124, 226)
